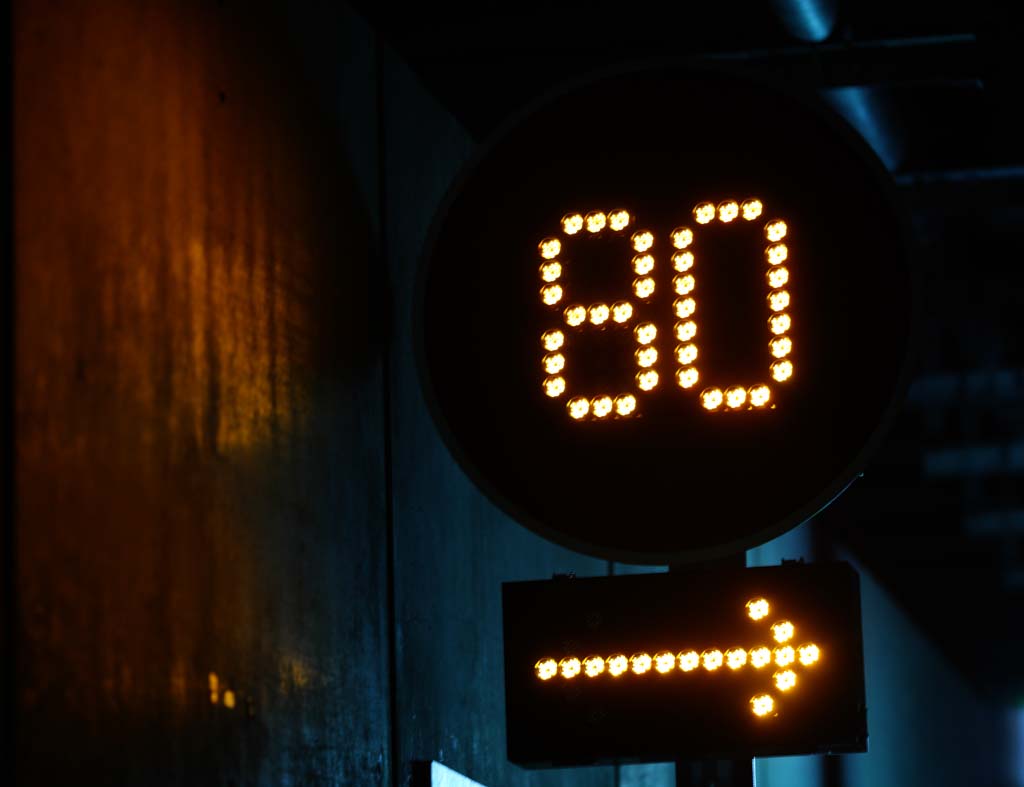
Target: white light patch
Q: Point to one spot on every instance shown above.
(443, 776)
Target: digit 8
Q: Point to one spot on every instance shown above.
(576, 316)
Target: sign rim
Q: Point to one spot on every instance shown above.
(839, 484)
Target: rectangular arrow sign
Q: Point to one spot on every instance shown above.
(713, 663)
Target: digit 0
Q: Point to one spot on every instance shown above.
(620, 315)
(734, 397)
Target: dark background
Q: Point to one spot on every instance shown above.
(217, 458)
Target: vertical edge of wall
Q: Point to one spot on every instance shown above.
(453, 549)
(8, 586)
(200, 478)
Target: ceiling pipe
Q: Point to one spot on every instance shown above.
(863, 108)
(807, 20)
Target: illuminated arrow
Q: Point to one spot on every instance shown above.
(782, 652)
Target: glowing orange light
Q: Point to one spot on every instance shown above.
(576, 315)
(785, 656)
(689, 660)
(643, 264)
(684, 307)
(599, 313)
(759, 395)
(554, 363)
(809, 654)
(762, 704)
(777, 277)
(550, 271)
(643, 240)
(648, 380)
(622, 311)
(711, 659)
(712, 398)
(781, 347)
(552, 340)
(686, 354)
(760, 657)
(685, 331)
(551, 294)
(645, 332)
(601, 406)
(640, 663)
(665, 662)
(682, 261)
(687, 378)
(783, 631)
(617, 665)
(625, 404)
(554, 386)
(546, 669)
(578, 407)
(569, 667)
(727, 211)
(682, 237)
(778, 300)
(735, 397)
(618, 220)
(572, 223)
(643, 287)
(780, 323)
(646, 357)
(784, 680)
(782, 370)
(775, 231)
(683, 284)
(735, 658)
(757, 608)
(777, 254)
(704, 213)
(550, 248)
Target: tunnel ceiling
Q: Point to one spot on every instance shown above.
(930, 62)
(940, 514)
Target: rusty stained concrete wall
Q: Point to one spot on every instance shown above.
(201, 385)
(200, 475)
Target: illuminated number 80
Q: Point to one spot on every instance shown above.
(621, 314)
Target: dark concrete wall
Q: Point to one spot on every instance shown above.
(200, 469)
(453, 549)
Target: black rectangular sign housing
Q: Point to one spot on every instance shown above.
(720, 663)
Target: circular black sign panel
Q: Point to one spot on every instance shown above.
(665, 316)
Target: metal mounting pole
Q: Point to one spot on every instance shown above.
(715, 773)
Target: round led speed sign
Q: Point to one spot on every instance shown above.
(665, 316)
